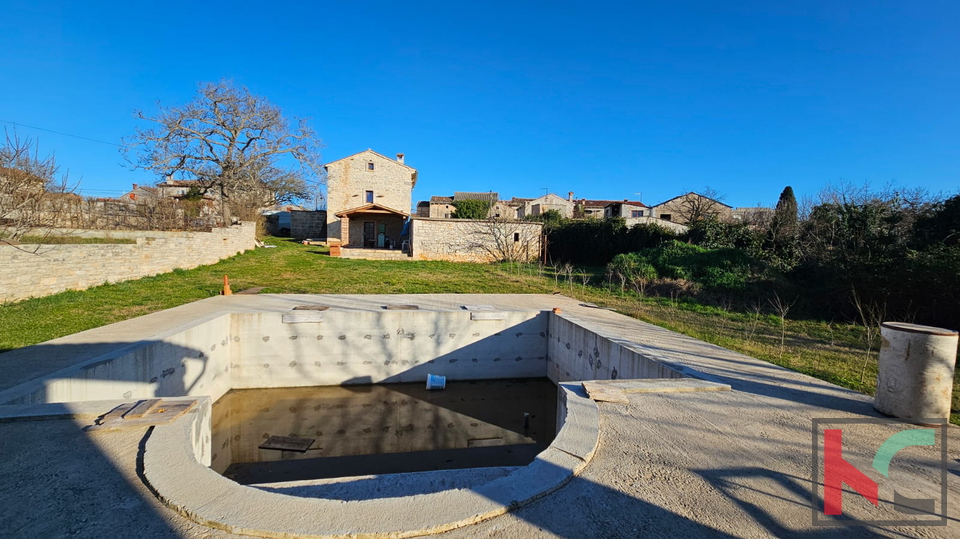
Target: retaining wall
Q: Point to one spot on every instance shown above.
(55, 268)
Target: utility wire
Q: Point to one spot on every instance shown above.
(60, 133)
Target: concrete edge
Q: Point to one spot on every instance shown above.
(84, 411)
(36, 384)
(183, 484)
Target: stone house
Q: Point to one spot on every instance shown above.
(442, 207)
(626, 209)
(545, 203)
(692, 207)
(368, 199)
(591, 209)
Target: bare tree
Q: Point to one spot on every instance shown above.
(33, 193)
(871, 314)
(235, 144)
(781, 308)
(699, 206)
(501, 239)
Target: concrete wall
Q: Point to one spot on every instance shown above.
(308, 224)
(392, 346)
(466, 240)
(55, 268)
(347, 180)
(577, 353)
(340, 347)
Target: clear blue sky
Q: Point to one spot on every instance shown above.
(604, 99)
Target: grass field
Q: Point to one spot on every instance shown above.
(835, 352)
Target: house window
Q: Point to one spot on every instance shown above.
(370, 165)
(368, 196)
(516, 236)
(636, 213)
(666, 216)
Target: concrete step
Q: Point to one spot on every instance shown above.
(374, 254)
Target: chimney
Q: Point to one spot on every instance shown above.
(570, 196)
(400, 158)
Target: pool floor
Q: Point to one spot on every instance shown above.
(381, 429)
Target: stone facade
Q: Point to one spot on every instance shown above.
(364, 178)
(308, 224)
(55, 268)
(627, 209)
(545, 203)
(466, 240)
(679, 209)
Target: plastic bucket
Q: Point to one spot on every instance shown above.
(435, 381)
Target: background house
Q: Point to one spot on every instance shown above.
(545, 203)
(368, 199)
(691, 207)
(626, 209)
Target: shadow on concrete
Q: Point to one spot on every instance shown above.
(59, 481)
(161, 375)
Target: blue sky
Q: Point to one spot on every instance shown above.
(603, 99)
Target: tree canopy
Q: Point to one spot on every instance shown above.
(237, 145)
(471, 209)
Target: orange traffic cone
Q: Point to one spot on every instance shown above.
(226, 287)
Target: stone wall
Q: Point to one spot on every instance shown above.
(466, 240)
(308, 224)
(349, 179)
(55, 268)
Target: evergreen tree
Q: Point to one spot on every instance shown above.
(784, 224)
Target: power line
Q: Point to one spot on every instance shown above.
(60, 133)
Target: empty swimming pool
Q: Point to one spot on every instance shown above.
(287, 434)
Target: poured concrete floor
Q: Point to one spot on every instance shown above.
(729, 464)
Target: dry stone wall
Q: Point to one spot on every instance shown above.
(56, 268)
(466, 240)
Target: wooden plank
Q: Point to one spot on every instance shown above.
(484, 442)
(165, 412)
(604, 393)
(401, 307)
(141, 409)
(288, 443)
(311, 307)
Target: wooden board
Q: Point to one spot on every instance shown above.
(288, 443)
(163, 412)
(604, 393)
(142, 408)
(311, 307)
(400, 307)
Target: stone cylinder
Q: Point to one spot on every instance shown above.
(916, 371)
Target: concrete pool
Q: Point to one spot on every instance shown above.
(350, 342)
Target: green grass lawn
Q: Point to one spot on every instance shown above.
(831, 351)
